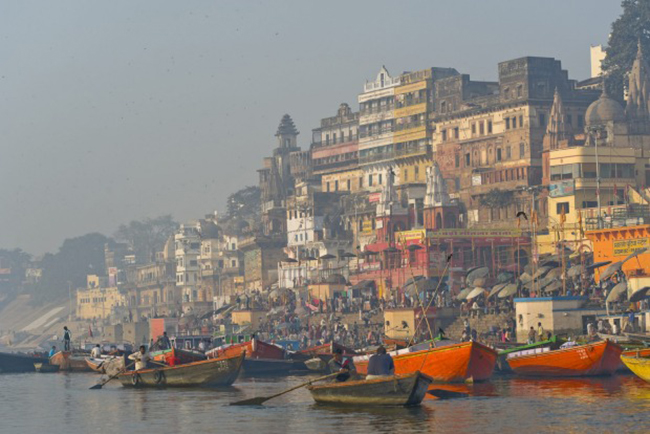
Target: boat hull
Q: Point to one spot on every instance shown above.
(19, 362)
(641, 352)
(398, 390)
(67, 362)
(596, 359)
(106, 365)
(206, 373)
(254, 349)
(258, 367)
(451, 363)
(639, 365)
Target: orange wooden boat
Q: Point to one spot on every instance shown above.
(66, 361)
(455, 362)
(600, 358)
(255, 349)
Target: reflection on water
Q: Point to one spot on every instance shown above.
(38, 402)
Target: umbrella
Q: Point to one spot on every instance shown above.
(477, 273)
(462, 294)
(480, 281)
(575, 271)
(553, 286)
(328, 256)
(510, 289)
(475, 293)
(414, 247)
(541, 272)
(348, 255)
(525, 278)
(616, 292)
(496, 289)
(640, 294)
(504, 277)
(635, 254)
(598, 265)
(611, 270)
(419, 284)
(555, 272)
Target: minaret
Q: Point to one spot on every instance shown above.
(558, 129)
(287, 133)
(638, 104)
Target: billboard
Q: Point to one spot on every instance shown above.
(561, 189)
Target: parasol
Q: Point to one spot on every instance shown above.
(496, 289)
(640, 294)
(462, 294)
(475, 293)
(616, 292)
(477, 273)
(598, 265)
(510, 289)
(611, 270)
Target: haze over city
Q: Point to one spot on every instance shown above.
(123, 110)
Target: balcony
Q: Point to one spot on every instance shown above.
(412, 151)
(376, 157)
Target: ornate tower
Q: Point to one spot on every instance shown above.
(439, 210)
(559, 133)
(391, 215)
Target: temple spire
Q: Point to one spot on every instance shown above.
(558, 129)
(436, 194)
(638, 97)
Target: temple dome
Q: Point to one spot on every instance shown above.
(603, 110)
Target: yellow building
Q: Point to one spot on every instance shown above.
(249, 317)
(97, 302)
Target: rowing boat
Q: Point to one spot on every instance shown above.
(447, 362)
(106, 364)
(397, 390)
(69, 362)
(10, 362)
(502, 361)
(261, 358)
(640, 365)
(204, 373)
(601, 358)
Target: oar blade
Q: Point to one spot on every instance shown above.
(252, 401)
(97, 386)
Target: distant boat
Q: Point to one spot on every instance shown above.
(398, 390)
(600, 358)
(640, 365)
(46, 367)
(13, 362)
(502, 362)
(105, 364)
(446, 362)
(69, 362)
(213, 372)
(261, 358)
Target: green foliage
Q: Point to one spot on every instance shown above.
(148, 236)
(17, 261)
(497, 198)
(243, 209)
(633, 25)
(68, 268)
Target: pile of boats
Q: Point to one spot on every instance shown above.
(416, 366)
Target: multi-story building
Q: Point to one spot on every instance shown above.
(97, 301)
(188, 271)
(335, 151)
(488, 137)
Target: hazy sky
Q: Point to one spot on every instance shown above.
(118, 110)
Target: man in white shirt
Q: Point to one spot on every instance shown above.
(96, 352)
(141, 358)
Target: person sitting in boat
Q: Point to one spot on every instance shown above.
(96, 352)
(53, 351)
(141, 358)
(345, 367)
(380, 365)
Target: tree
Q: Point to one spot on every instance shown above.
(68, 268)
(630, 28)
(243, 209)
(148, 236)
(14, 262)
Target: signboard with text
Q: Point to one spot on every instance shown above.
(627, 247)
(561, 189)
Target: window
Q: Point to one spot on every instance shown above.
(508, 152)
(417, 173)
(522, 150)
(444, 135)
(514, 122)
(327, 139)
(467, 160)
(342, 136)
(193, 263)
(542, 120)
(369, 180)
(349, 185)
(481, 128)
(562, 206)
(457, 160)
(456, 133)
(498, 154)
(381, 179)
(521, 121)
(520, 91)
(507, 123)
(334, 138)
(506, 93)
(406, 175)
(473, 129)
(581, 121)
(328, 187)
(336, 185)
(361, 182)
(489, 127)
(569, 119)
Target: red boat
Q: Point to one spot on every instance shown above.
(448, 363)
(601, 358)
(255, 349)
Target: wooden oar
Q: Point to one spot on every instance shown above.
(100, 385)
(261, 399)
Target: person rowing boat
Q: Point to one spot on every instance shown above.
(345, 367)
(380, 365)
(141, 358)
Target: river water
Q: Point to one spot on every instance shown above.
(61, 402)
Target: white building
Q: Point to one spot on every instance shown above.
(187, 252)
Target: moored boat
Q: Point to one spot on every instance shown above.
(261, 358)
(106, 364)
(640, 365)
(69, 362)
(10, 362)
(46, 367)
(205, 373)
(397, 390)
(453, 362)
(502, 361)
(600, 358)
